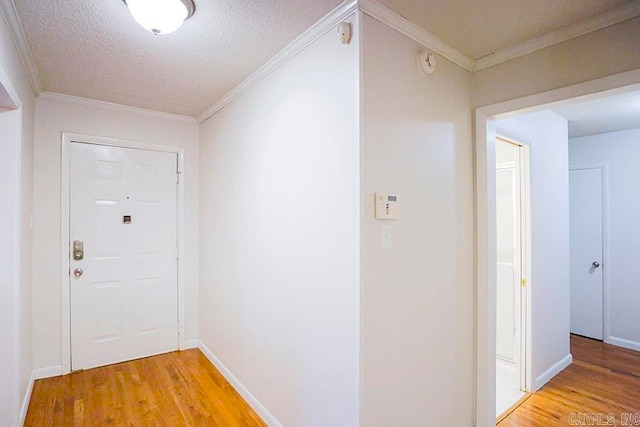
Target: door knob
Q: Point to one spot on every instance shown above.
(595, 264)
(78, 272)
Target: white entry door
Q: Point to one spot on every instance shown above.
(123, 215)
(585, 187)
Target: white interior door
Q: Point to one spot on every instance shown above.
(509, 253)
(123, 209)
(585, 186)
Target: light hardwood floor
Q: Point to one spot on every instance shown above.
(603, 379)
(173, 389)
(184, 389)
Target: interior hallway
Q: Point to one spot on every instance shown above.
(603, 379)
(181, 388)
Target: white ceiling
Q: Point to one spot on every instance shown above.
(94, 49)
(481, 27)
(602, 115)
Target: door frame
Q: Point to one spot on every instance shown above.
(485, 162)
(604, 176)
(524, 353)
(67, 140)
(11, 108)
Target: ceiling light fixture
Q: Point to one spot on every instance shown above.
(161, 16)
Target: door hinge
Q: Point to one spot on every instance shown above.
(178, 177)
(523, 282)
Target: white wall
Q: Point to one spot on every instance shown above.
(418, 297)
(561, 65)
(621, 151)
(15, 284)
(53, 118)
(279, 237)
(550, 238)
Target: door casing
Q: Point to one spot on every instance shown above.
(524, 355)
(67, 139)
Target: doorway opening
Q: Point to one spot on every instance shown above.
(512, 251)
(549, 288)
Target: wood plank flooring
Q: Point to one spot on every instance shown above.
(173, 389)
(603, 379)
(184, 389)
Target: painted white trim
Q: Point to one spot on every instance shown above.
(415, 32)
(558, 367)
(48, 372)
(485, 231)
(526, 353)
(13, 168)
(67, 139)
(621, 342)
(589, 25)
(243, 391)
(191, 344)
(5, 81)
(27, 398)
(92, 103)
(10, 14)
(598, 88)
(486, 297)
(606, 290)
(392, 19)
(317, 30)
(513, 137)
(36, 374)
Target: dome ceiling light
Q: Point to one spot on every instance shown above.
(161, 16)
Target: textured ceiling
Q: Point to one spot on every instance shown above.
(481, 27)
(608, 114)
(94, 49)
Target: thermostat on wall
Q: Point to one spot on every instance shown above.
(386, 206)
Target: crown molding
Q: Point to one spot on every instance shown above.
(92, 103)
(371, 8)
(415, 32)
(589, 25)
(10, 15)
(316, 31)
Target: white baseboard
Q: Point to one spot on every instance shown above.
(191, 344)
(48, 372)
(36, 374)
(553, 371)
(240, 388)
(621, 342)
(27, 398)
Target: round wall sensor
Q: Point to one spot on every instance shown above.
(426, 62)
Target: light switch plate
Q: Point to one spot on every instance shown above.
(385, 237)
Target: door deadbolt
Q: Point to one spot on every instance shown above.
(78, 250)
(78, 272)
